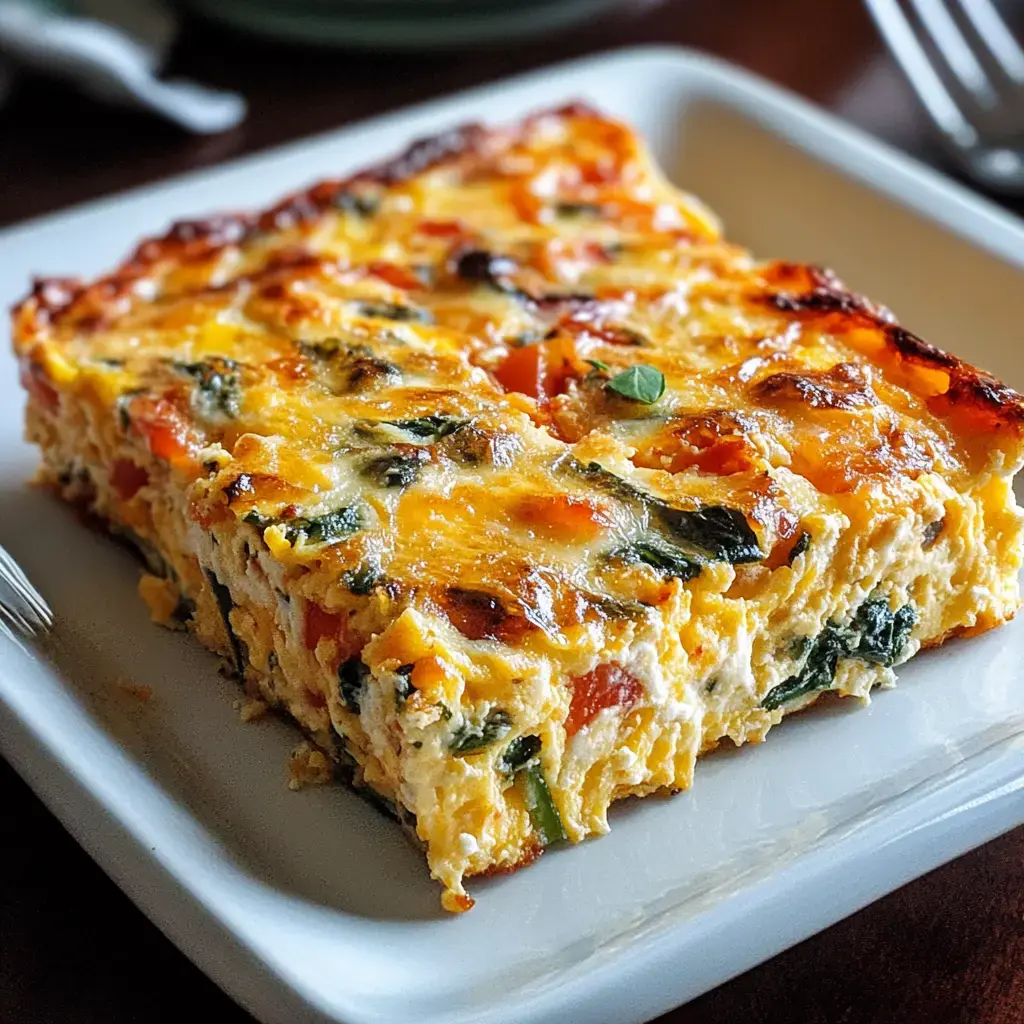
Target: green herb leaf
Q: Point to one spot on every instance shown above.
(518, 754)
(547, 822)
(803, 542)
(326, 528)
(392, 311)
(883, 632)
(720, 532)
(640, 383)
(218, 388)
(352, 676)
(819, 668)
(669, 560)
(398, 470)
(404, 688)
(598, 364)
(361, 581)
(360, 205)
(430, 428)
(469, 737)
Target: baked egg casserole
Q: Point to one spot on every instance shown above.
(515, 485)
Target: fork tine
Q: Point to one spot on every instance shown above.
(950, 44)
(901, 36)
(993, 37)
(12, 575)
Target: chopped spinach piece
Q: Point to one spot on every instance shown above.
(124, 400)
(547, 822)
(721, 532)
(570, 209)
(398, 470)
(931, 533)
(669, 560)
(803, 542)
(518, 754)
(218, 387)
(353, 202)
(392, 311)
(404, 688)
(326, 528)
(469, 737)
(883, 633)
(367, 372)
(352, 676)
(876, 634)
(254, 518)
(361, 581)
(224, 605)
(640, 383)
(430, 428)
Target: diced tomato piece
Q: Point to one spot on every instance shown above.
(540, 371)
(127, 478)
(163, 425)
(395, 275)
(320, 624)
(607, 686)
(441, 228)
(35, 382)
(563, 516)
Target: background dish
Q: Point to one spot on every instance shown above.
(188, 809)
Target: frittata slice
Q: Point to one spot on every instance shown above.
(515, 485)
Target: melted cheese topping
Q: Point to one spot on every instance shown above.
(378, 448)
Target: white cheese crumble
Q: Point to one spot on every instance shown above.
(468, 844)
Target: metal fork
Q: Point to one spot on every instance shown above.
(24, 613)
(968, 72)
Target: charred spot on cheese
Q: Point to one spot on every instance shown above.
(665, 558)
(365, 371)
(241, 485)
(472, 445)
(393, 311)
(352, 676)
(324, 529)
(875, 634)
(845, 387)
(931, 533)
(218, 388)
(471, 737)
(398, 469)
(475, 613)
(481, 267)
(224, 605)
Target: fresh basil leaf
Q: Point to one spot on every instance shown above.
(640, 383)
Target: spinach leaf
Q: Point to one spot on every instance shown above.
(218, 392)
(392, 311)
(352, 676)
(876, 634)
(669, 560)
(547, 822)
(803, 542)
(353, 202)
(361, 581)
(398, 470)
(883, 633)
(430, 428)
(224, 605)
(404, 688)
(469, 738)
(722, 533)
(324, 529)
(520, 752)
(640, 383)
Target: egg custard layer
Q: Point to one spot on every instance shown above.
(514, 484)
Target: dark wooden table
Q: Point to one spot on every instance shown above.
(947, 948)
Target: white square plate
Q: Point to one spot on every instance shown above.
(309, 906)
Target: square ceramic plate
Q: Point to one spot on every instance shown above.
(309, 906)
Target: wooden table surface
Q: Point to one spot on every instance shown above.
(947, 948)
